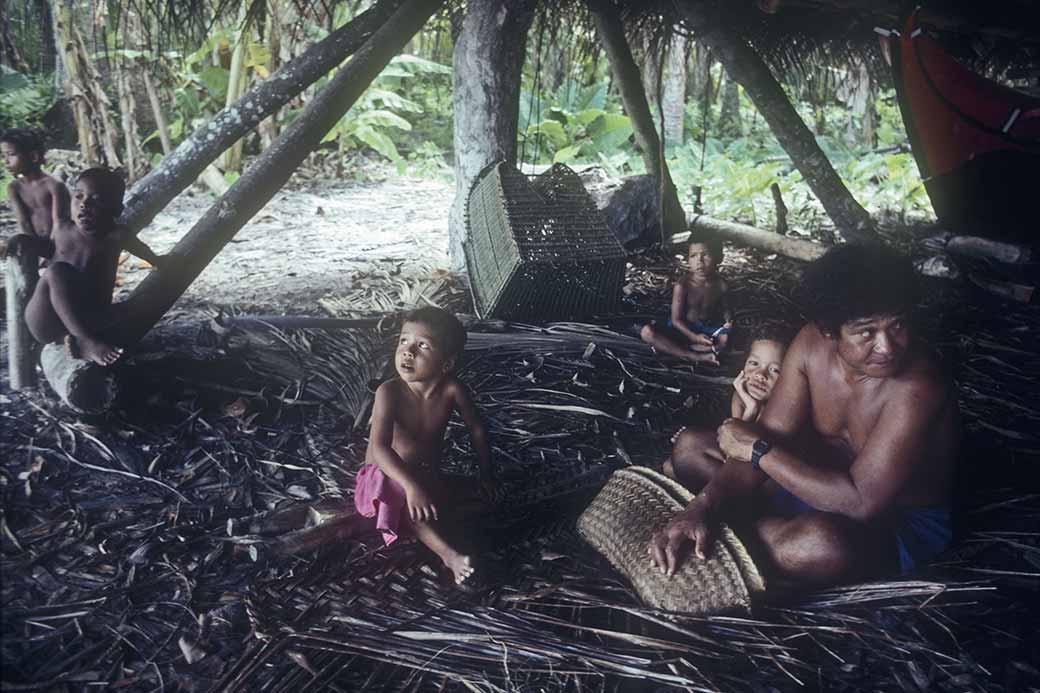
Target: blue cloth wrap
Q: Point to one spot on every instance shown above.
(921, 534)
(702, 327)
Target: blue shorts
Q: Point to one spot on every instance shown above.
(920, 535)
(705, 328)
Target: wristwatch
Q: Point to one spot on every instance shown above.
(758, 449)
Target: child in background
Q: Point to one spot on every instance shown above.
(73, 299)
(40, 202)
(695, 452)
(400, 484)
(700, 319)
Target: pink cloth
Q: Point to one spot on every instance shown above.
(377, 495)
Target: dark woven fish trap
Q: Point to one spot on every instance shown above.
(637, 502)
(538, 249)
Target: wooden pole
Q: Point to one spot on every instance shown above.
(83, 385)
(236, 82)
(742, 234)
(633, 96)
(20, 277)
(181, 168)
(159, 290)
(745, 66)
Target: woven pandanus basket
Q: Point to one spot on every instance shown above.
(635, 503)
(538, 249)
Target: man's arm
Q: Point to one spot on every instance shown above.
(894, 450)
(788, 409)
(478, 431)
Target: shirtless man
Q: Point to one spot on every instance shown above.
(700, 321)
(40, 202)
(848, 473)
(73, 298)
(400, 485)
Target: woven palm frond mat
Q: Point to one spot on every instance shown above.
(619, 523)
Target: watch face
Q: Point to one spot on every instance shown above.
(761, 446)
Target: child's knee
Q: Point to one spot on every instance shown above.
(694, 440)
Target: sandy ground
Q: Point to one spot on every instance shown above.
(308, 242)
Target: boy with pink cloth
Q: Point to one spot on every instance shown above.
(399, 485)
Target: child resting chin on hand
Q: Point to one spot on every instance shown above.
(695, 452)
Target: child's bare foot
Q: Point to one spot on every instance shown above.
(460, 566)
(93, 350)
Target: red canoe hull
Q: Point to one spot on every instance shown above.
(976, 142)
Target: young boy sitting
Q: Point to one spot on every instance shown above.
(40, 202)
(700, 319)
(73, 299)
(695, 452)
(400, 484)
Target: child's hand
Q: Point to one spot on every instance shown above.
(699, 339)
(740, 385)
(420, 505)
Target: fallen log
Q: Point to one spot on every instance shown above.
(984, 248)
(83, 385)
(742, 234)
(20, 277)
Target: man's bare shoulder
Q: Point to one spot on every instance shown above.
(809, 346)
(924, 381)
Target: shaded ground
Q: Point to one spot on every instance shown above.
(145, 551)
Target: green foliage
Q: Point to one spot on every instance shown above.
(574, 128)
(26, 98)
(376, 116)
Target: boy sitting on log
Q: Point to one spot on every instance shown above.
(73, 299)
(40, 201)
(699, 448)
(700, 320)
(400, 484)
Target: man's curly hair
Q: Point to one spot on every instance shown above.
(857, 281)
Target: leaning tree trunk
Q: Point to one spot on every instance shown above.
(745, 66)
(487, 64)
(673, 95)
(633, 96)
(21, 273)
(180, 169)
(159, 290)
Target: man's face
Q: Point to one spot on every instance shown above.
(875, 346)
(419, 357)
(702, 262)
(16, 161)
(93, 206)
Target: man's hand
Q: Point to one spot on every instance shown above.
(698, 339)
(692, 524)
(736, 439)
(420, 505)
